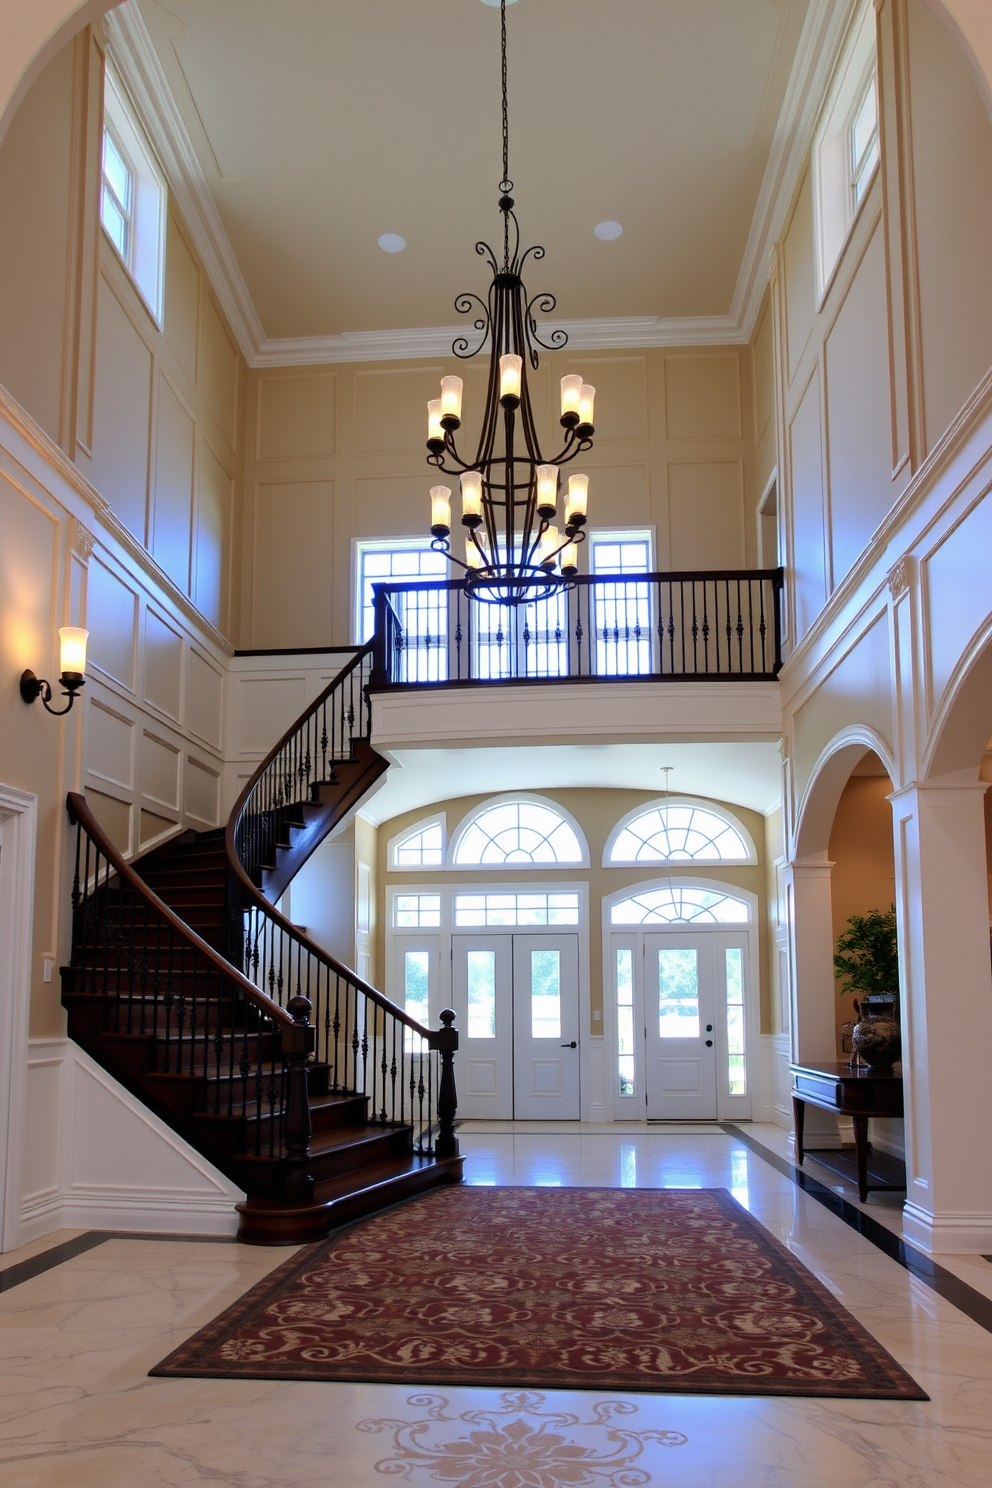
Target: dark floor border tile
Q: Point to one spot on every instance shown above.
(57, 1255)
(924, 1268)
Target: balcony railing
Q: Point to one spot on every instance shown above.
(659, 626)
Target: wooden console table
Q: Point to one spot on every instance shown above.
(858, 1093)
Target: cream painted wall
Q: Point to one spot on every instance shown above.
(861, 850)
(334, 454)
(597, 813)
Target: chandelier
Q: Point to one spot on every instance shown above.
(514, 549)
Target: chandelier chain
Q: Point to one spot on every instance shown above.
(506, 126)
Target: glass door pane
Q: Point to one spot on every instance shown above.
(678, 993)
(481, 976)
(545, 994)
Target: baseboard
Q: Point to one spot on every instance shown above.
(182, 1214)
(40, 1215)
(947, 1234)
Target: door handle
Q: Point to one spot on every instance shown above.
(572, 1045)
(709, 1043)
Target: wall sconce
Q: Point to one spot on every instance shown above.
(72, 640)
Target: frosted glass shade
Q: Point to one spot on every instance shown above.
(72, 649)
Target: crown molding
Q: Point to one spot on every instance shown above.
(132, 52)
(820, 44)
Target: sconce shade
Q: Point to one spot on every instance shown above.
(72, 643)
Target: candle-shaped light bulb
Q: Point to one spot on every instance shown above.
(473, 557)
(547, 490)
(587, 403)
(440, 510)
(451, 398)
(576, 500)
(570, 558)
(510, 374)
(435, 433)
(571, 392)
(550, 540)
(72, 650)
(471, 498)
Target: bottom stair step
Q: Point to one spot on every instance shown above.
(339, 1200)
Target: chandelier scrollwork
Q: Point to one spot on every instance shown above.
(510, 492)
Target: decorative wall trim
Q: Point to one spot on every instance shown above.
(158, 1182)
(132, 52)
(82, 541)
(900, 576)
(19, 816)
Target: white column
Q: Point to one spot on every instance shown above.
(814, 1024)
(946, 992)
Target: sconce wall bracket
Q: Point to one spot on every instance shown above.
(33, 687)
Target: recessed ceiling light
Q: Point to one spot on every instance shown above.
(392, 243)
(608, 230)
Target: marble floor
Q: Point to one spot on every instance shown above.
(76, 1342)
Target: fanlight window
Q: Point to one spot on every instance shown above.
(421, 848)
(679, 833)
(674, 905)
(517, 832)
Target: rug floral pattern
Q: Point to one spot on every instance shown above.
(600, 1289)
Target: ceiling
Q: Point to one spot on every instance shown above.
(321, 124)
(743, 774)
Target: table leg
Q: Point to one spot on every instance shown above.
(861, 1154)
(799, 1116)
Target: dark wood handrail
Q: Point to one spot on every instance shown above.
(81, 815)
(587, 581)
(433, 1038)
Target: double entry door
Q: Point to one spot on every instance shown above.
(681, 1009)
(516, 1000)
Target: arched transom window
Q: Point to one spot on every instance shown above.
(678, 832)
(674, 904)
(515, 833)
(422, 846)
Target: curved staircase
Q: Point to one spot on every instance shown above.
(306, 1086)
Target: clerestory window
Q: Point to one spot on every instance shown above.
(518, 833)
(132, 197)
(680, 832)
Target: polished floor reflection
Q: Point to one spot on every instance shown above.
(76, 1341)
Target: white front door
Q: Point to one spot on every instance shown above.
(546, 1027)
(680, 1006)
(516, 1003)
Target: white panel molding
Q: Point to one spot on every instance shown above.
(19, 816)
(132, 52)
(165, 1187)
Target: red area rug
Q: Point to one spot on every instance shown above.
(571, 1288)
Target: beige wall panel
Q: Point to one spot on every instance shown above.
(203, 698)
(219, 367)
(858, 399)
(862, 851)
(202, 792)
(112, 621)
(619, 495)
(956, 593)
(110, 745)
(159, 771)
(706, 514)
(809, 559)
(262, 702)
(163, 666)
(114, 817)
(29, 544)
(212, 536)
(172, 510)
(151, 827)
(391, 409)
(34, 246)
(292, 572)
(952, 156)
(703, 396)
(621, 385)
(295, 419)
(763, 362)
(182, 299)
(122, 412)
(800, 281)
(858, 692)
(387, 506)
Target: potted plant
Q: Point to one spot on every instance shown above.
(867, 956)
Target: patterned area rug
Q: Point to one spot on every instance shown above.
(572, 1288)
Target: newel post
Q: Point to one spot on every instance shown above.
(380, 639)
(446, 1042)
(297, 1043)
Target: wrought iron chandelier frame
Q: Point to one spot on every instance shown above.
(506, 538)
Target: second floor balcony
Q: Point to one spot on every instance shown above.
(692, 626)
